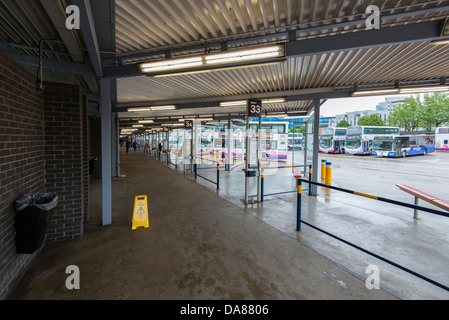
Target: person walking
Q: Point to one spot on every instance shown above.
(128, 145)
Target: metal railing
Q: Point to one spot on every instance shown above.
(196, 168)
(361, 194)
(262, 185)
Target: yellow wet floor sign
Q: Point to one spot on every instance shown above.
(140, 213)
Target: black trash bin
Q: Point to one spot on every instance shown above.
(33, 213)
(92, 165)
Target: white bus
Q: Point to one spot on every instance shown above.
(332, 140)
(295, 141)
(403, 146)
(360, 139)
(442, 138)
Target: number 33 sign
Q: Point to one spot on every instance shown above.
(254, 108)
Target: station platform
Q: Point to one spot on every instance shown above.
(200, 245)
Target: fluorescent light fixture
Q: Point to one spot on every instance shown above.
(162, 108)
(401, 91)
(425, 89)
(375, 92)
(146, 121)
(440, 42)
(138, 109)
(155, 108)
(193, 119)
(233, 103)
(183, 73)
(244, 55)
(275, 100)
(278, 115)
(244, 102)
(171, 64)
(213, 59)
(138, 126)
(172, 124)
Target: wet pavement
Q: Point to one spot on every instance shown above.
(420, 245)
(200, 245)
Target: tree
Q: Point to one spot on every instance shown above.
(435, 110)
(343, 124)
(407, 115)
(301, 129)
(371, 120)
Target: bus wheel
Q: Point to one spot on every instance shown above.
(343, 150)
(404, 154)
(425, 151)
(264, 156)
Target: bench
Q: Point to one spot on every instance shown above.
(426, 197)
(297, 172)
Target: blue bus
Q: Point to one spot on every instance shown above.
(403, 146)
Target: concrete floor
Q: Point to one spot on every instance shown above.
(199, 246)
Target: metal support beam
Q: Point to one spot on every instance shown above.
(105, 88)
(229, 145)
(71, 67)
(90, 34)
(115, 136)
(316, 144)
(365, 39)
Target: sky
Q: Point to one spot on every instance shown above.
(332, 107)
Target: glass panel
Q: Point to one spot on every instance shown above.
(380, 145)
(353, 131)
(353, 143)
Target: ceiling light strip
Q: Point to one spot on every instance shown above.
(213, 59)
(400, 91)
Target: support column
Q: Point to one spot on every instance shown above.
(115, 136)
(316, 144)
(228, 146)
(105, 87)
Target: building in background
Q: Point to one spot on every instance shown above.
(383, 109)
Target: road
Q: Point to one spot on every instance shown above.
(379, 176)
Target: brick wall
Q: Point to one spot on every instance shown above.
(65, 159)
(43, 148)
(21, 159)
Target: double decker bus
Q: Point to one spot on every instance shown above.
(442, 138)
(360, 139)
(403, 146)
(332, 140)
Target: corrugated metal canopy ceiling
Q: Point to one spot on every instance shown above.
(146, 30)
